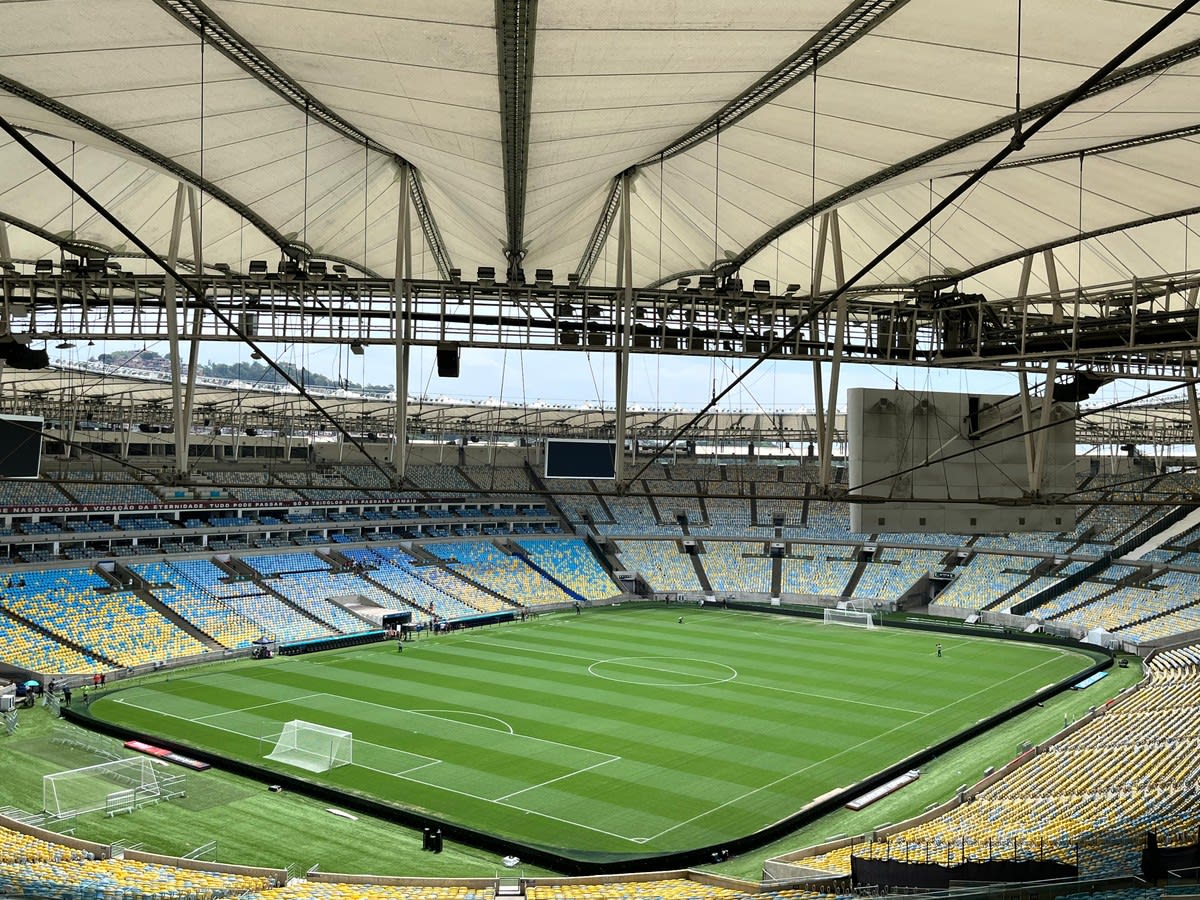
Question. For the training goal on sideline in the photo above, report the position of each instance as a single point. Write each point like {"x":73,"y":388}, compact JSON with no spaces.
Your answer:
{"x":121,"y":785}
{"x":314,"y":748}
{"x":847,"y":614}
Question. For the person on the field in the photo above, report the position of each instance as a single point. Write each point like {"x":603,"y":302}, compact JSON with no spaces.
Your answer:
{"x":939,"y":650}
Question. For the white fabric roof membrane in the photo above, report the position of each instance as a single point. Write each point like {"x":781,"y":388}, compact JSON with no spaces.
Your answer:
{"x":883,"y":131}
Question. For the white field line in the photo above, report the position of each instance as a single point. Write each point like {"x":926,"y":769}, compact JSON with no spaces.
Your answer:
{"x":832,"y":699}
{"x":404,"y":777}
{"x":846,"y":750}
{"x":739,"y":679}
{"x":534,"y":787}
{"x":609,"y":756}
{"x":230,"y":712}
{"x":429,"y":759}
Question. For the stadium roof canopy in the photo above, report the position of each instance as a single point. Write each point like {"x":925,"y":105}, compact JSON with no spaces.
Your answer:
{"x":743,"y":121}
{"x":61,"y":394}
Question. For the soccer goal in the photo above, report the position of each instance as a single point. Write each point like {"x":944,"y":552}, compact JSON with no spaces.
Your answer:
{"x":89,"y":789}
{"x":847,"y":615}
{"x":314,"y":748}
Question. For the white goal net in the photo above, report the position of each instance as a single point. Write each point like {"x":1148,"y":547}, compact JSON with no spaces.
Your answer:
{"x":90,"y":789}
{"x":314,"y":748}
{"x":858,"y":618}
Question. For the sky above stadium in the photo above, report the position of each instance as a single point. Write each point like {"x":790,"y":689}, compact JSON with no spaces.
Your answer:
{"x":578,"y":378}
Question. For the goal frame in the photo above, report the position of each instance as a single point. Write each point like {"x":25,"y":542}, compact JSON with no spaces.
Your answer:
{"x":850,"y":617}
{"x":136,"y":774}
{"x":331,"y":748}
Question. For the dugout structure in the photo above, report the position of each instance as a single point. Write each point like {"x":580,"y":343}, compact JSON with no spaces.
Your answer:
{"x":312,"y":747}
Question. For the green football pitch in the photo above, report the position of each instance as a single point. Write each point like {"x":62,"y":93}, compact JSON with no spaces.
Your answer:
{"x":619,"y":732}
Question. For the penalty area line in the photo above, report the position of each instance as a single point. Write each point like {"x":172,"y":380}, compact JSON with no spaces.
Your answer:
{"x":534,"y":787}
{"x":404,"y":777}
{"x":233,"y":712}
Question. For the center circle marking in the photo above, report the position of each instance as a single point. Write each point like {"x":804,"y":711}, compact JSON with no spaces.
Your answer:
{"x":721,"y":672}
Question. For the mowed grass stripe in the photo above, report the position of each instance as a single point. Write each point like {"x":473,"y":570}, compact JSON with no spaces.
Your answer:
{"x":582,"y":719}
{"x":664,"y":722}
{"x":812,"y":707}
{"x":763,"y":659}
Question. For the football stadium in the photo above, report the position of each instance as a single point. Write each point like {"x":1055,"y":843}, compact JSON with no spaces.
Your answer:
{"x":599,"y":451}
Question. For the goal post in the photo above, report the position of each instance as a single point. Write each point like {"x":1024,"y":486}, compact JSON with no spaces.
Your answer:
{"x":87,"y":789}
{"x":847,"y":615}
{"x":312,"y":747}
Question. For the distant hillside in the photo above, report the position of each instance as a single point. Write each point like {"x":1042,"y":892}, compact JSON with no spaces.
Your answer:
{"x":252,"y":372}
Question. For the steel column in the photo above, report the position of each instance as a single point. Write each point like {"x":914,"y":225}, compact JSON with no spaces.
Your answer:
{"x":402,"y":325}
{"x":1193,"y":413}
{"x":623,"y":325}
{"x":839,"y":340}
{"x":1052,"y":284}
{"x":1027,"y":427}
{"x":172,"y":308}
{"x":1043,"y":436}
{"x":189,"y":394}
{"x":818,"y":274}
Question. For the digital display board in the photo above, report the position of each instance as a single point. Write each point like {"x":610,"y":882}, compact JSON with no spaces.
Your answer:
{"x":580,"y":459}
{"x":20,"y":446}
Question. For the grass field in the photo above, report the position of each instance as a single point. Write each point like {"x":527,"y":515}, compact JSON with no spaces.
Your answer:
{"x":619,"y":731}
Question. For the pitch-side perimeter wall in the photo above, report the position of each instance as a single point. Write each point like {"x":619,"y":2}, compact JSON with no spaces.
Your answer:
{"x":610,"y":863}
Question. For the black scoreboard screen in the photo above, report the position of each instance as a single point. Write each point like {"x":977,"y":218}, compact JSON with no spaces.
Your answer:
{"x":580,"y":459}
{"x":20,"y":446}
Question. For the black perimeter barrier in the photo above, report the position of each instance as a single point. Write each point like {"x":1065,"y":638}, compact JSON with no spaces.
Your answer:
{"x":930,"y":876}
{"x":569,"y":861}
{"x":333,"y":643}
{"x":1158,"y":862}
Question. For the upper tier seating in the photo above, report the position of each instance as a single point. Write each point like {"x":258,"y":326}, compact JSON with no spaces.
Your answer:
{"x":505,"y":478}
{"x":98,"y":494}
{"x":441,"y":480}
{"x":633,"y":515}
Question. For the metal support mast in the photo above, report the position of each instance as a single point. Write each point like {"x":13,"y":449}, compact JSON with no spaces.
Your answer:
{"x":402,"y":324}
{"x":169,"y":300}
{"x":189,"y":394}
{"x":839,"y":340}
{"x":624,"y":324}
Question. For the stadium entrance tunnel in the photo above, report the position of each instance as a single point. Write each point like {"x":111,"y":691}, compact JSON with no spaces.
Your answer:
{"x":582,"y":861}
